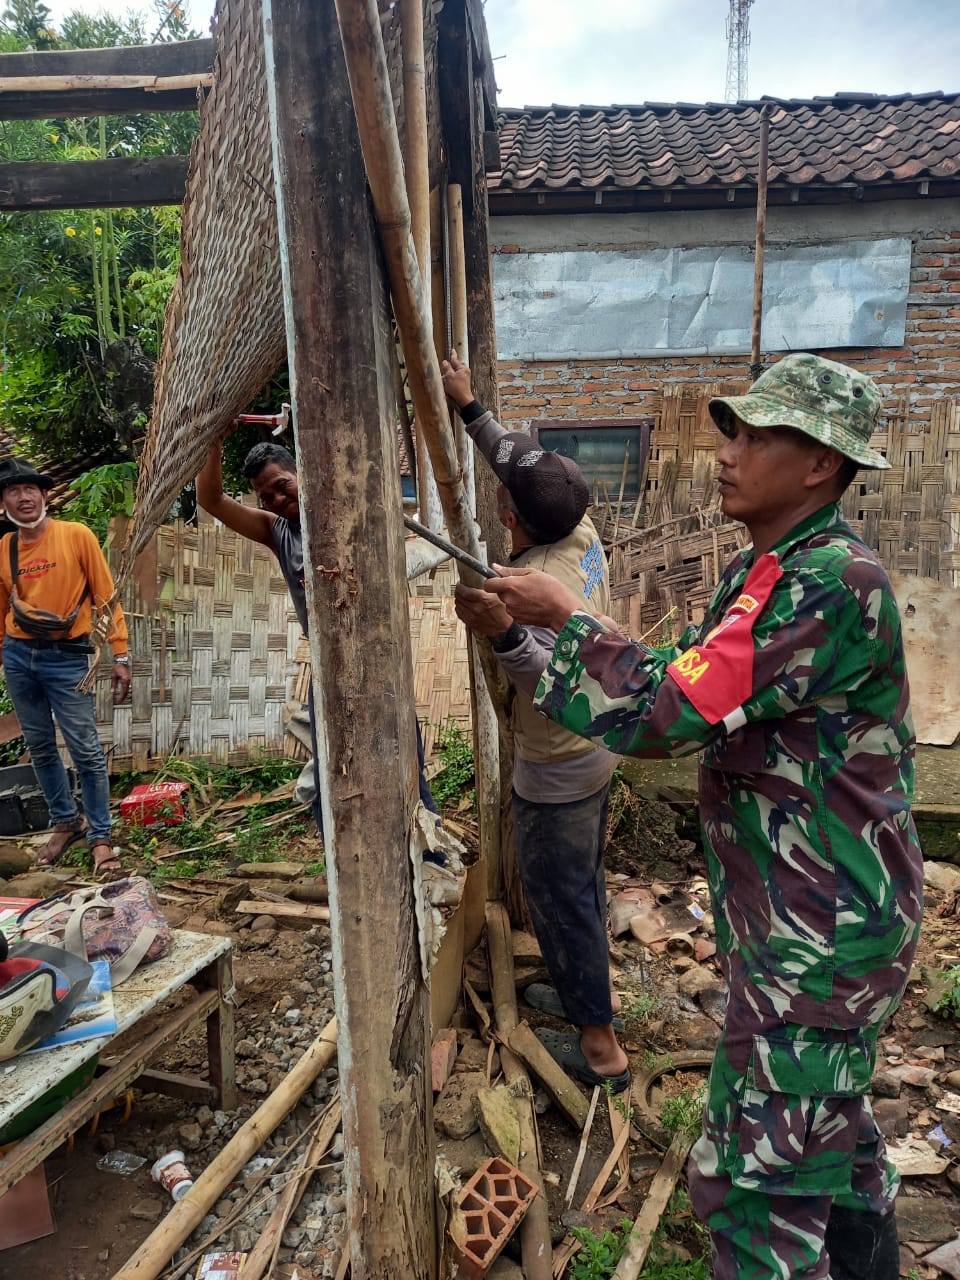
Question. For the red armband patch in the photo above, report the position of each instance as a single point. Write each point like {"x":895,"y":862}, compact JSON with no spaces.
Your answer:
{"x":717,"y":676}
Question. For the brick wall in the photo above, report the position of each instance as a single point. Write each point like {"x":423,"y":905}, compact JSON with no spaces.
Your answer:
{"x":925,"y":368}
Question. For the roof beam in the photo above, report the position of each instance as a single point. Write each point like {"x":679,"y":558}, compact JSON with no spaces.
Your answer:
{"x":121,"y":182}
{"x":61,"y":84}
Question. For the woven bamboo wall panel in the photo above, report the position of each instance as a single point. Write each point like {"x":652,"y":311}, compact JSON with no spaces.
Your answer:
{"x":441,"y":680}
{"x":212,"y":662}
{"x":909,"y":514}
{"x":224,"y":330}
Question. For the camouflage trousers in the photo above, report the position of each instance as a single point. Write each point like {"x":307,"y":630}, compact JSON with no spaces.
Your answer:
{"x":787,"y":1134}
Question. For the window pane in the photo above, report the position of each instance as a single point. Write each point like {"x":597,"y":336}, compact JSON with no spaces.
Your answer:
{"x":599,"y":453}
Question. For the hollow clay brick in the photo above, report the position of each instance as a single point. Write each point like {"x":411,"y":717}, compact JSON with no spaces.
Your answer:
{"x":493,"y":1203}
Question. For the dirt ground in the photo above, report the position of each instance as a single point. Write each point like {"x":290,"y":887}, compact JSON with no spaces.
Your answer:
{"x":668,"y":1010}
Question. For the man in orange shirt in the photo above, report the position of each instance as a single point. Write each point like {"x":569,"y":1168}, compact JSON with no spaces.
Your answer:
{"x":53,"y":576}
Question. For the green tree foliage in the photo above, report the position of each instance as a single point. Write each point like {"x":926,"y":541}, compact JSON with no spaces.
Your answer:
{"x":83,"y":293}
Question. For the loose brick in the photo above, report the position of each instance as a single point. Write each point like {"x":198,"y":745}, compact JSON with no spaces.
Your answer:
{"x":492,"y":1205}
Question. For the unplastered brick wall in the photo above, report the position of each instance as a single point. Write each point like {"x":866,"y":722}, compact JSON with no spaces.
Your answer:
{"x":924,"y":369}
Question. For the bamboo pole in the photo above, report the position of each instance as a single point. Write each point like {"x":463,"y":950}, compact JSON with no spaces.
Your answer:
{"x":403,"y":413}
{"x":457,"y":302}
{"x":416,"y":162}
{"x":431,"y":512}
{"x":761,"y":236}
{"x":535,"y":1228}
{"x":185,"y":1216}
{"x":373,"y":104}
{"x":56,"y":84}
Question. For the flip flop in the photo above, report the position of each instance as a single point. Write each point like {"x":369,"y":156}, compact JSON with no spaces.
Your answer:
{"x":566,"y":1052}
{"x":545,"y":998}
{"x":49,"y":857}
{"x":107,"y":867}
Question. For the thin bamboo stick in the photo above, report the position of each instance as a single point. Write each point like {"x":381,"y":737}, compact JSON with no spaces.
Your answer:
{"x":761,"y":236}
{"x":457,"y":302}
{"x":185,"y":1216}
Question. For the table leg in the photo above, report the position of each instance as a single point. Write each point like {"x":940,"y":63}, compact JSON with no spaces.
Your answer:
{"x":221,"y":1031}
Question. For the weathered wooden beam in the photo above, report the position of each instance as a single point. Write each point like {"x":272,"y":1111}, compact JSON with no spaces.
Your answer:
{"x":338,"y":339}
{"x":167,"y":78}
{"x":120,"y":182}
{"x":457,"y":91}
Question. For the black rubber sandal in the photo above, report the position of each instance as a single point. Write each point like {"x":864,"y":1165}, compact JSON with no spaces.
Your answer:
{"x":545,"y":998}
{"x":565,"y":1050}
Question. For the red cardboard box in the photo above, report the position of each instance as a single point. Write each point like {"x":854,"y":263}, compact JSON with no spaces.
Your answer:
{"x":156,"y":802}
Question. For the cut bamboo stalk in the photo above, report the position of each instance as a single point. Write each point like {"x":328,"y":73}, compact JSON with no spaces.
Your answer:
{"x":554,"y":1079}
{"x":623,"y":485}
{"x":416,"y":161}
{"x":56,"y":84}
{"x":373,"y":104}
{"x":535,"y":1228}
{"x":584,"y":1139}
{"x":263,"y":1256}
{"x":185,"y":1216}
{"x":457,"y":302}
{"x":658,"y":1197}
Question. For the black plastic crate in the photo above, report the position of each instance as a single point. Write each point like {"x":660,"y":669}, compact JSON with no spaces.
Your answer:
{"x":35,"y":812}
{"x":13,"y":820}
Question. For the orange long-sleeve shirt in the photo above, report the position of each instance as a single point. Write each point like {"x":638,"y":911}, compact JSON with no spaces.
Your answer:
{"x":53,"y":574}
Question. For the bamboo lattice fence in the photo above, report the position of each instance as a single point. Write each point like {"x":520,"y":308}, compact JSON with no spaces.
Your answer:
{"x":664,"y":572}
{"x":220,"y":653}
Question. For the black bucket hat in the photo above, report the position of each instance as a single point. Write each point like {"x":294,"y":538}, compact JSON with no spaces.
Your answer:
{"x":16,"y":471}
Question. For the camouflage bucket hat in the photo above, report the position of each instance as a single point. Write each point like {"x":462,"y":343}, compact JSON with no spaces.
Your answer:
{"x":830,"y":402}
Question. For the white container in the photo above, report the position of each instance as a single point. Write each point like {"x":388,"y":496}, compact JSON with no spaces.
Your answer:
{"x":172,"y":1174}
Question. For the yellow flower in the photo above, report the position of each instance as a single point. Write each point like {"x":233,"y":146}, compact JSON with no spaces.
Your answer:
{"x":54,"y":137}
{"x":69,"y":231}
{"x":98,"y":231}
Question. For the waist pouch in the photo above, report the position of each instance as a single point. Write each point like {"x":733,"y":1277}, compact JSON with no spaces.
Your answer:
{"x":38,"y":622}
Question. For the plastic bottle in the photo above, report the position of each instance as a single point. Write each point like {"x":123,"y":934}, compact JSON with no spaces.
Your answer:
{"x":172,"y":1174}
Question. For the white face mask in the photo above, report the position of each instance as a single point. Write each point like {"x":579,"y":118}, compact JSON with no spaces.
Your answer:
{"x":29,"y":524}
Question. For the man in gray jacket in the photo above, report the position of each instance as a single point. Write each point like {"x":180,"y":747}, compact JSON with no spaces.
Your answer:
{"x":561,"y":783}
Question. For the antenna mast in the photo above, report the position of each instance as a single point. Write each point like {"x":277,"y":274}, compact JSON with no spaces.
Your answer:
{"x":738,"y":45}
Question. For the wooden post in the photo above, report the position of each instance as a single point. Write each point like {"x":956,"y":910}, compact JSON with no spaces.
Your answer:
{"x":755,"y":366}
{"x":338,"y":337}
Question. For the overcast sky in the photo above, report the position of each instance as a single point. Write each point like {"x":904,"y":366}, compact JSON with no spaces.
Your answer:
{"x":630,"y":51}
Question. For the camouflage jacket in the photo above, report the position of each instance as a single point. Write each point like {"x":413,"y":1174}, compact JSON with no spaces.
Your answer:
{"x":795,"y":692}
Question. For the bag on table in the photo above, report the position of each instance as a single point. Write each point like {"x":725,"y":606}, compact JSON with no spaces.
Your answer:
{"x":120,"y":922}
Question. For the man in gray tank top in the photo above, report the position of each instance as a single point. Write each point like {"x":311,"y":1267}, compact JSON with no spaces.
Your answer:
{"x":272,"y":472}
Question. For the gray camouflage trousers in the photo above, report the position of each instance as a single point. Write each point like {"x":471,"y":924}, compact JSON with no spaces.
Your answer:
{"x":787,"y":1133}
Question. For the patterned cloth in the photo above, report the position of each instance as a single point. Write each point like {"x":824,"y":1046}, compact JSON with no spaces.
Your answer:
{"x":794,"y":690}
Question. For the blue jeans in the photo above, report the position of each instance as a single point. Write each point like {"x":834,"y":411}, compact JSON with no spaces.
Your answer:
{"x":42,"y":685}
{"x":560,"y":859}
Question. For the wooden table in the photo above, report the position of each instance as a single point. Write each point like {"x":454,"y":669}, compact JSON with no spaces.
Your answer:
{"x":196,"y":957}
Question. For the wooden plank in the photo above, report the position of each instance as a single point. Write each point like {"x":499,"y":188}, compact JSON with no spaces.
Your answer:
{"x":258,"y":907}
{"x":176,"y":1085}
{"x":658,"y":1197}
{"x":357,"y":609}
{"x":173,"y":58}
{"x":119,"y":182}
{"x":554,"y":1079}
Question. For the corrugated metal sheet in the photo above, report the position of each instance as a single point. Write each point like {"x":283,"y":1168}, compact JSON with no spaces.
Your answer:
{"x":698,"y":301}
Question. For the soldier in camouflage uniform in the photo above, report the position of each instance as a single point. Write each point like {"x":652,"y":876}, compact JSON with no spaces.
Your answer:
{"x":794,"y":691}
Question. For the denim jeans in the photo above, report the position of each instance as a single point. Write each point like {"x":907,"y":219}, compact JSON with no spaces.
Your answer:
{"x":560,"y":859}
{"x":42,"y":685}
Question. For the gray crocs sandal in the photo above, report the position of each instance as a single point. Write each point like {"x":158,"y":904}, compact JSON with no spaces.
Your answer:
{"x":545,"y":998}
{"x":566,"y":1052}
